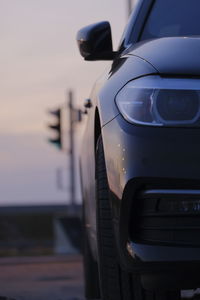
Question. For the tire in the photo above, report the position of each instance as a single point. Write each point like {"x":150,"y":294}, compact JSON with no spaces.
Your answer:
{"x":115,"y":284}
{"x":91,"y":277}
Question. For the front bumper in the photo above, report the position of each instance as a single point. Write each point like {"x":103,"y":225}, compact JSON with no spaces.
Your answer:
{"x":148,"y":161}
{"x":165,"y":217}
{"x":162,"y":241}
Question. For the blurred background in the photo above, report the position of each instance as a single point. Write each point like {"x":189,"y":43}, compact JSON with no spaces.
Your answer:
{"x":41,"y":70}
{"x":39,"y":62}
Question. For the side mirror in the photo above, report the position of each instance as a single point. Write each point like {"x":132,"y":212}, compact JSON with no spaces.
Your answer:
{"x":95,"y":42}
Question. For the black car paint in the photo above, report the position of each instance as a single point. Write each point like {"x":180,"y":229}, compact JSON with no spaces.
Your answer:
{"x":100,"y":39}
{"x":172,"y":56}
{"x":138,"y":156}
{"x":104,"y":89}
{"x":157,"y":156}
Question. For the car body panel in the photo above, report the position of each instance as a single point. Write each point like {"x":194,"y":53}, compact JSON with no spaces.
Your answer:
{"x":151,"y":146}
{"x":138,"y":156}
{"x":102,"y":99}
{"x":172,"y":55}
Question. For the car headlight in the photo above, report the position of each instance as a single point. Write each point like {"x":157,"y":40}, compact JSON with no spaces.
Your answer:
{"x":157,"y":101}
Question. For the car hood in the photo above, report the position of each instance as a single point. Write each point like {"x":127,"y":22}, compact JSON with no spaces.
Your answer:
{"x":171,"y":56}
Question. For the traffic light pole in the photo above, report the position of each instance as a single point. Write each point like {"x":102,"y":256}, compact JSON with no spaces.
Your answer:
{"x":56,"y":127}
{"x":129,"y":6}
{"x":71,"y":150}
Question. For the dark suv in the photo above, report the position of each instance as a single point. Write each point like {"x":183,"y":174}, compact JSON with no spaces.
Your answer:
{"x":140,"y":162}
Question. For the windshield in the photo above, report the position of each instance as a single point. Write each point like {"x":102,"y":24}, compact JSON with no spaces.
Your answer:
{"x":170,"y":18}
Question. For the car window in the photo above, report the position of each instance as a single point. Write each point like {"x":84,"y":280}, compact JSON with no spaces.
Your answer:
{"x":172,"y":18}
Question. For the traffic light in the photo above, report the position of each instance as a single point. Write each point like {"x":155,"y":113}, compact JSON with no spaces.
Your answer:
{"x":56,"y":126}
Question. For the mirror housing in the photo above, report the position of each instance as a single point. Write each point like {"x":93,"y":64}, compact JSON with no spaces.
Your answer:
{"x":95,"y":42}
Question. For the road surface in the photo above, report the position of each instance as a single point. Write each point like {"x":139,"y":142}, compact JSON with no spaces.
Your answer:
{"x":41,"y":278}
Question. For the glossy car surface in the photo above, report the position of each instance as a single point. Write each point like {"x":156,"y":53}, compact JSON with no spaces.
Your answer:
{"x":146,"y":113}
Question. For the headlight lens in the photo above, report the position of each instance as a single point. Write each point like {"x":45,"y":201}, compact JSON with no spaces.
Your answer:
{"x":157,"y":101}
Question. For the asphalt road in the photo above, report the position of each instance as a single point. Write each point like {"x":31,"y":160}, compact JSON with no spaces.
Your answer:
{"x":39,"y":278}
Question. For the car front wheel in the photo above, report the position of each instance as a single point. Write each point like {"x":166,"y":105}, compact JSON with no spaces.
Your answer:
{"x":115,"y":284}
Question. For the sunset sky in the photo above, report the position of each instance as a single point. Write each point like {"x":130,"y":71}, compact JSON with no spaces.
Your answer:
{"x":39,"y":61}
